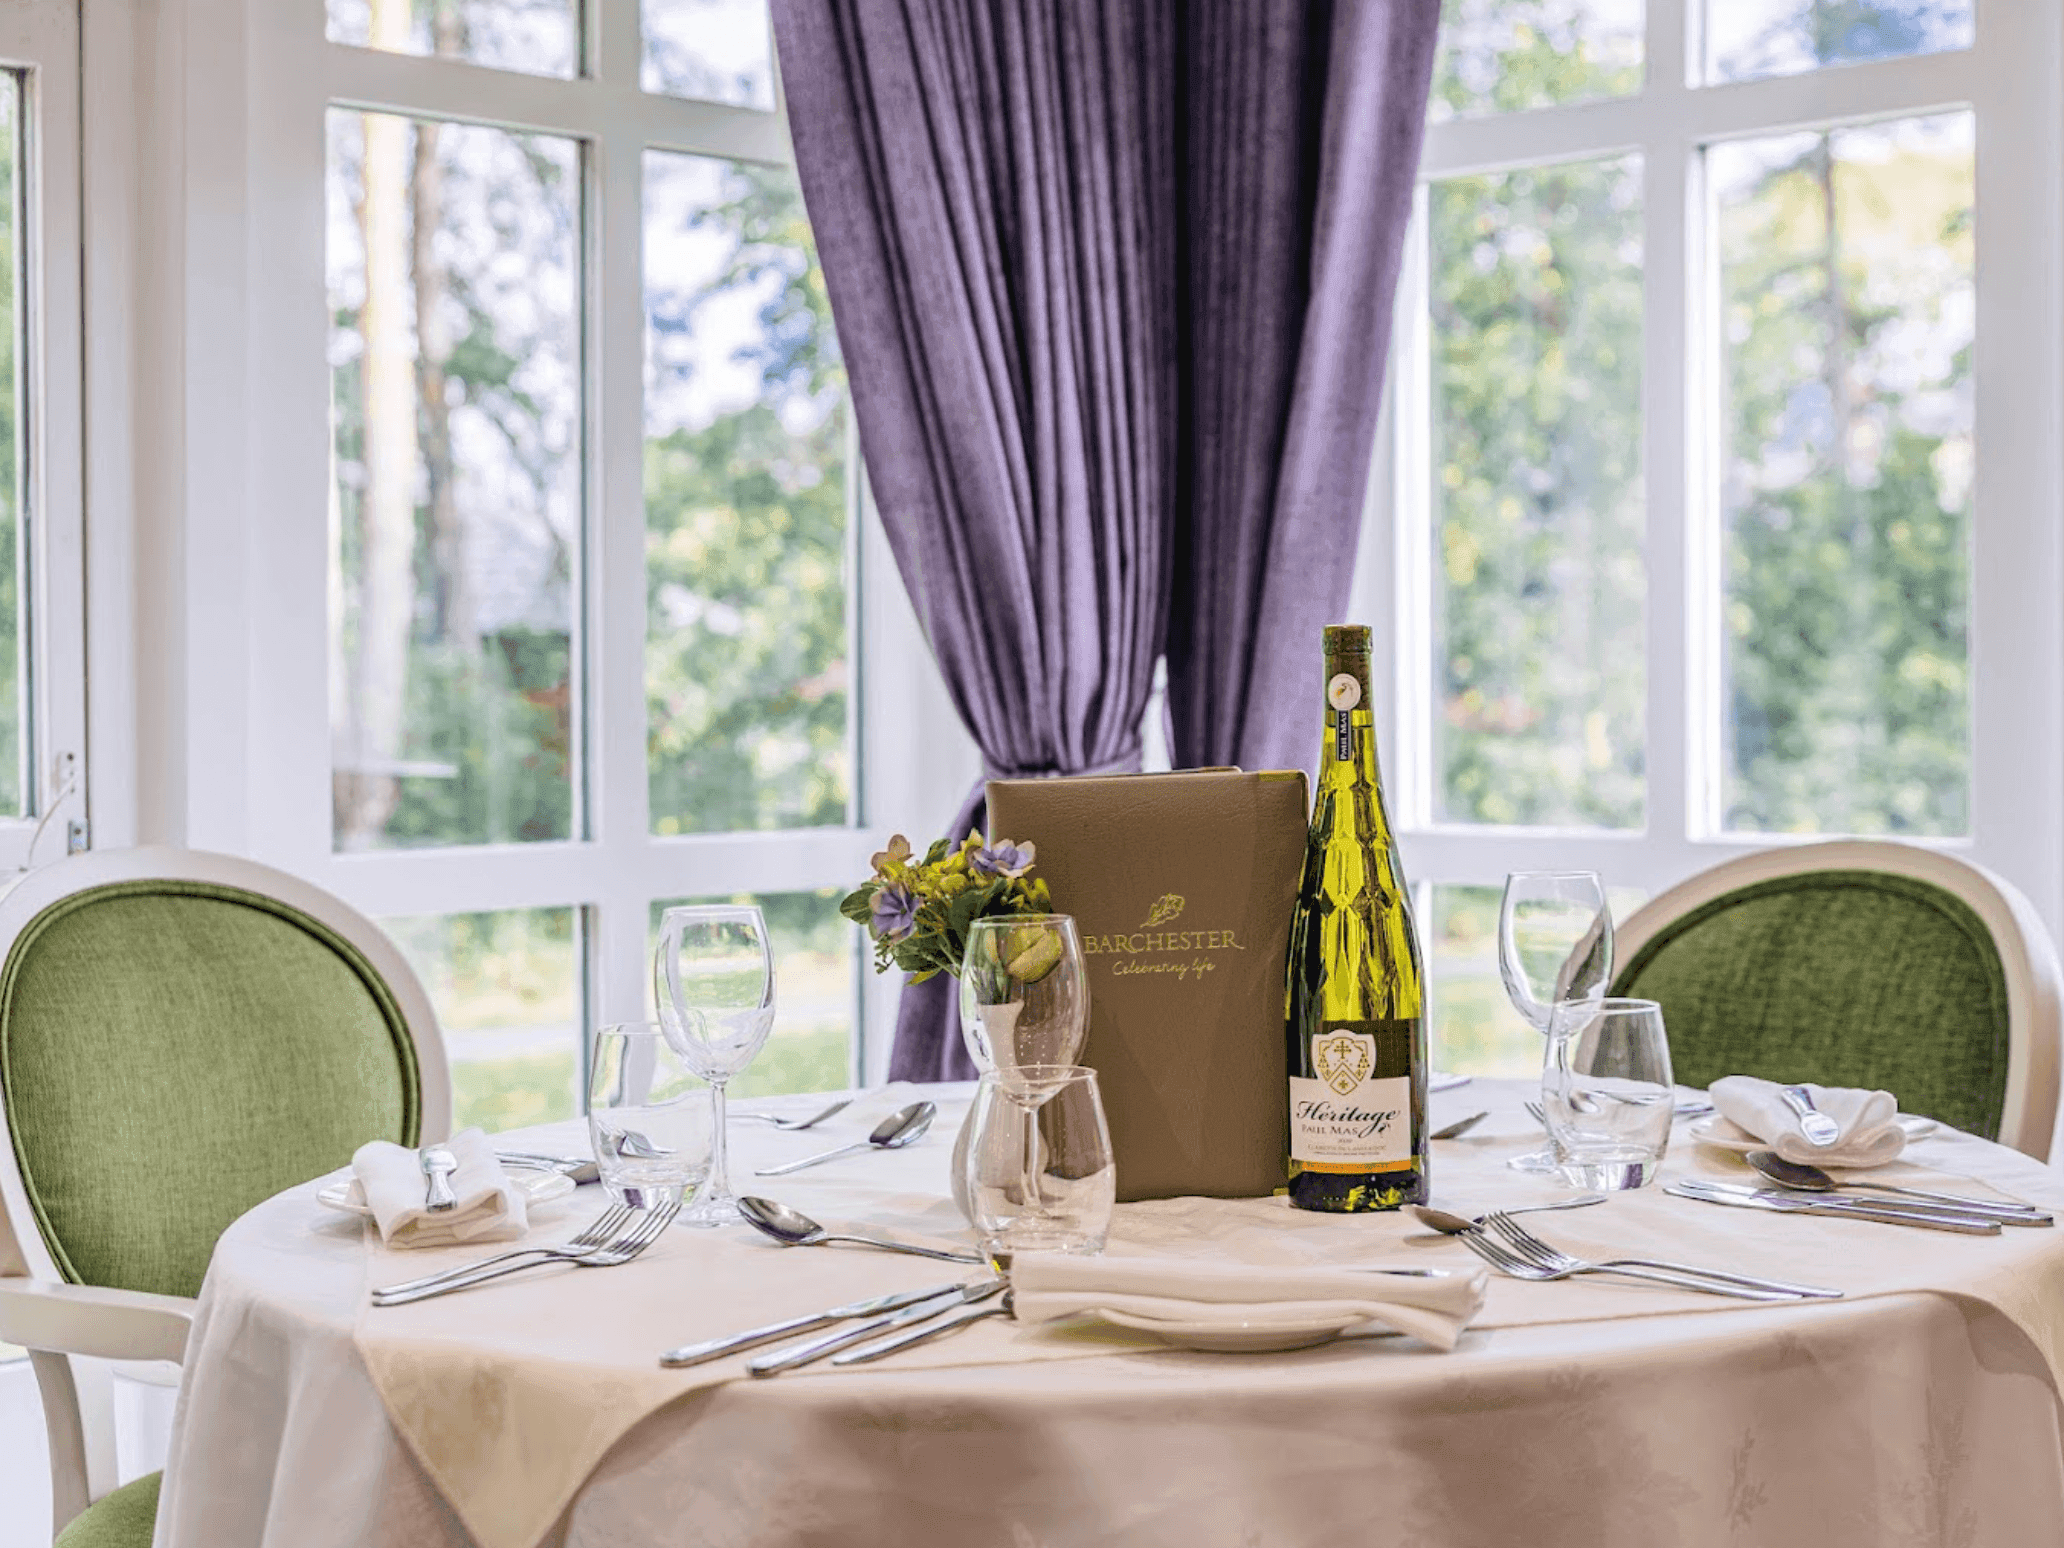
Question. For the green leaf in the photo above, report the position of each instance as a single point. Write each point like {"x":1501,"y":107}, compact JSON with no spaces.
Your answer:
{"x":859,"y":906}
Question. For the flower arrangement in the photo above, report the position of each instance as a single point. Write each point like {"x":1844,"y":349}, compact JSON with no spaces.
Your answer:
{"x":919,"y":911}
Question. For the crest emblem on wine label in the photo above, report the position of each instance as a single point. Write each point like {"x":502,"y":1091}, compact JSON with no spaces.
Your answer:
{"x":1343,"y":1060}
{"x":1343,"y":692}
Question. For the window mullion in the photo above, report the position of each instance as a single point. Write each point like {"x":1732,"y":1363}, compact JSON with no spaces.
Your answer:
{"x":613,"y":41}
{"x":1673,"y":769}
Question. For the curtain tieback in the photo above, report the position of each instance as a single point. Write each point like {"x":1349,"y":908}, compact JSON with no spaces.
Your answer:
{"x":1124,"y":763}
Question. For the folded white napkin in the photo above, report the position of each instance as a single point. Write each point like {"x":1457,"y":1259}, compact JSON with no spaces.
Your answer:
{"x":1870,"y":1135}
{"x":389,"y":1180}
{"x":1045,"y":1286}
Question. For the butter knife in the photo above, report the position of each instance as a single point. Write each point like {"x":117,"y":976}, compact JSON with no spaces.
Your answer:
{"x":817,"y":1348}
{"x":438,"y":1164}
{"x":1792,"y":1204}
{"x":710,"y":1349}
{"x":1816,"y":1125}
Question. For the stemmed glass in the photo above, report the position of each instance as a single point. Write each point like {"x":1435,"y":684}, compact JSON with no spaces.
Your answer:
{"x":714,"y":977}
{"x":1555,"y":953}
{"x":1024,"y":1014}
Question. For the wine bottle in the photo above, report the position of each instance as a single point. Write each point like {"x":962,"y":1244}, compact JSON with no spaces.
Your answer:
{"x":1356,"y":1001}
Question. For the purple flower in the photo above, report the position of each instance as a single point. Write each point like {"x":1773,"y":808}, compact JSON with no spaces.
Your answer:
{"x":1002,"y":859}
{"x":895,"y":912}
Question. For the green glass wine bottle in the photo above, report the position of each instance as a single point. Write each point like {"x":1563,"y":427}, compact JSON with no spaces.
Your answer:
{"x":1356,"y":1000}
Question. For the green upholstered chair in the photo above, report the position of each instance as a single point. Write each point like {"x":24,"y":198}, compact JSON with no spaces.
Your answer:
{"x":182,"y":1035}
{"x":1859,"y":964}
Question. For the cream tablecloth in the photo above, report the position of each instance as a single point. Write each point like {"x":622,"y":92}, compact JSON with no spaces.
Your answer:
{"x":1924,"y":1410}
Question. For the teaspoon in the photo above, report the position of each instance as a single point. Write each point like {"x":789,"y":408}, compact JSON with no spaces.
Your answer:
{"x":892,"y":1133}
{"x":793,"y":1228}
{"x":1811,"y":1179}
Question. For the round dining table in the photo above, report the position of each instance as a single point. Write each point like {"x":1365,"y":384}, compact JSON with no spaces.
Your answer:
{"x":1922,"y":1408}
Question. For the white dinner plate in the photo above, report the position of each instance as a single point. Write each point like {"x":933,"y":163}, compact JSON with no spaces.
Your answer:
{"x":539,"y":1187}
{"x":1247,"y":1329}
{"x":1722,"y":1134}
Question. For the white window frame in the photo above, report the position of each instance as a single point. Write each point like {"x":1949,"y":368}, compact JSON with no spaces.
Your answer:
{"x":41,"y":39}
{"x":2013,"y":77}
{"x":210,"y":158}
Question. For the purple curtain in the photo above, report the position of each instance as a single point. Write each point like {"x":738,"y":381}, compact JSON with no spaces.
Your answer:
{"x":1094,"y":266}
{"x":1305,"y":124}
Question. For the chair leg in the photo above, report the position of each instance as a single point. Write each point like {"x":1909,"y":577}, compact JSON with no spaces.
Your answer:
{"x":79,"y":1416}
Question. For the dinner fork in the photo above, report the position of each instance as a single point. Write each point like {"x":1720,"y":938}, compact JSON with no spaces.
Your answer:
{"x":622,"y":1247}
{"x":1539,"y":1252}
{"x":1508,"y":1261}
{"x":606,"y":1225}
{"x":810,"y":1122}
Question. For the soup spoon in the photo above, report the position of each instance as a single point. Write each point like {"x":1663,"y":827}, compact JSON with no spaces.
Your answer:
{"x":793,"y":1228}
{"x":900,"y":1128}
{"x":1811,"y":1179}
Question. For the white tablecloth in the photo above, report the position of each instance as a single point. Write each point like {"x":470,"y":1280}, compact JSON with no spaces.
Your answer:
{"x":1907,"y":1417}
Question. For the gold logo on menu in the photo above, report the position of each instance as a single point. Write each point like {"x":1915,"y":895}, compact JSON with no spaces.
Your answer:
{"x":1168,"y":908}
{"x":1344,"y":1059}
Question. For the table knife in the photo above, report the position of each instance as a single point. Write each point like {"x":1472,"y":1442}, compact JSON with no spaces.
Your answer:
{"x":817,"y":1348}
{"x":710,"y":1349}
{"x":438,"y":1164}
{"x":1793,"y":1204}
{"x":1882,"y":1206}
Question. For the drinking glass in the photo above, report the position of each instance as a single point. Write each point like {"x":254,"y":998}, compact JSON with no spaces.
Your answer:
{"x":1024,"y":994}
{"x":714,"y":973}
{"x":1555,"y":951}
{"x":1607,"y":1093}
{"x":1040,"y":1177}
{"x":649,"y":1115}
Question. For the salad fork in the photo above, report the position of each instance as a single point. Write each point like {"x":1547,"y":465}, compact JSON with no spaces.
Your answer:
{"x":642,"y":1233}
{"x":1719,"y":1281}
{"x":1508,"y":1261}
{"x":606,"y":1225}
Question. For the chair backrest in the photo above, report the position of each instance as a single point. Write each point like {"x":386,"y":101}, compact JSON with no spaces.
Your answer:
{"x":1859,"y":963}
{"x":183,"y":1035}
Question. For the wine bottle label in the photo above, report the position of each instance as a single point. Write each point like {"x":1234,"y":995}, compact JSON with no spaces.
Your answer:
{"x":1345,"y":1116}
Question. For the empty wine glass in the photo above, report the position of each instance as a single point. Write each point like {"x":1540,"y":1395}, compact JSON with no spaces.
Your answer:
{"x":714,"y":976}
{"x":1555,"y":951}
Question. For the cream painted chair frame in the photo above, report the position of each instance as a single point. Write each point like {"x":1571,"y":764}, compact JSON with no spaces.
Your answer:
{"x":73,"y":1331}
{"x":2028,"y":957}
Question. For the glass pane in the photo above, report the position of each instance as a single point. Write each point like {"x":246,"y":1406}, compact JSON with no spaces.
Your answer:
{"x":1504,"y":56}
{"x":745,"y":505}
{"x":538,"y":37}
{"x":1475,"y":1029}
{"x":455,"y":355}
{"x":710,"y":50}
{"x":1747,"y":40}
{"x":1537,"y":496}
{"x":507,"y":990}
{"x":1847,"y":297}
{"x":816,"y":968}
{"x":14,"y":647}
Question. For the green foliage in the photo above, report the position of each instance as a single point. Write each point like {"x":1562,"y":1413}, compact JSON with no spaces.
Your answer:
{"x":745,"y":556}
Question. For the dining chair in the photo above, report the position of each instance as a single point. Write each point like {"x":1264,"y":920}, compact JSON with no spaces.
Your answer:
{"x":1859,"y":963}
{"x":182,"y":1035}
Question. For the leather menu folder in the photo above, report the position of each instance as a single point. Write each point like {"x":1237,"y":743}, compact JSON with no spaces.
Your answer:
{"x":1181,"y":886}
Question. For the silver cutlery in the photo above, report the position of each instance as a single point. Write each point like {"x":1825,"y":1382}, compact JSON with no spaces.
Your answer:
{"x":645,"y":1228}
{"x":1533,"y":1247}
{"x":904,"y":1127}
{"x":1811,"y":1179}
{"x":605,"y":1226}
{"x":438,"y":1164}
{"x":1459,"y":1127}
{"x":1816,"y":1125}
{"x":1508,"y":1261}
{"x":793,"y":1228}
{"x":711,"y":1349}
{"x":796,"y":1125}
{"x":1885,"y":1212}
{"x":1691,"y":1108}
{"x":581,"y":1171}
{"x":946,"y":1324}
{"x":818,"y":1348}
{"x":1450,"y":1224}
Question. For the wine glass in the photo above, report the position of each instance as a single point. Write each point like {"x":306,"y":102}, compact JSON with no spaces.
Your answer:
{"x":1555,"y":950}
{"x":714,"y":976}
{"x":1024,"y":1014}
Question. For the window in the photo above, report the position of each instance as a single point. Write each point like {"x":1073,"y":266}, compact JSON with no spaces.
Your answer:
{"x":591,"y":546}
{"x":1708,"y":509}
